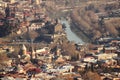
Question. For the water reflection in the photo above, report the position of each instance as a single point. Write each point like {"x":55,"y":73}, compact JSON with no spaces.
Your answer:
{"x":71,"y":35}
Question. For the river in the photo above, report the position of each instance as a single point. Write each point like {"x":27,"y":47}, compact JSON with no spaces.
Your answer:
{"x":71,"y":35}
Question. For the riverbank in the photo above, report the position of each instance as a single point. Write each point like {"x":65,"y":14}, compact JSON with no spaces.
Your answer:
{"x":79,"y":32}
{"x":71,"y":36}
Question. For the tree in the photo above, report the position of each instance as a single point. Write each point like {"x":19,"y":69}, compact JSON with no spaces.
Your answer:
{"x":3,"y":59}
{"x":111,"y":28}
{"x":33,"y":35}
{"x":69,"y":48}
{"x":8,"y":28}
{"x":91,"y":76}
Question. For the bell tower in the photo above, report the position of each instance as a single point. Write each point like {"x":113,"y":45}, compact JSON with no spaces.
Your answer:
{"x":7,"y":11}
{"x":23,"y":50}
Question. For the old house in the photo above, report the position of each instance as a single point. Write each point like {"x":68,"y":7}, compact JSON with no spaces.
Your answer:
{"x":109,"y":49}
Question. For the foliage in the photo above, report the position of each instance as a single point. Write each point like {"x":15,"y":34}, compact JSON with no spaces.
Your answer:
{"x":91,"y":76}
{"x":7,"y":28}
{"x":3,"y":57}
{"x":88,"y":20}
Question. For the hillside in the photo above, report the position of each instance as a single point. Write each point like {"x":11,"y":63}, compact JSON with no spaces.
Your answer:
{"x":101,"y":20}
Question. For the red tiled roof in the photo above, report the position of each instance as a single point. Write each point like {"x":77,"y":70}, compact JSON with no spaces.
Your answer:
{"x":28,"y":66}
{"x":37,"y":70}
{"x":1,"y":23}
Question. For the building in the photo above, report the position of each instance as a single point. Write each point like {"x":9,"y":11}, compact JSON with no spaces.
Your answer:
{"x":89,"y":59}
{"x":23,"y":49}
{"x":33,"y":54}
{"x":37,"y":2}
{"x":109,"y":49}
{"x":3,"y":4}
{"x":24,"y":55}
{"x":30,"y":1}
{"x":44,"y":50}
{"x":12,"y":1}
{"x":106,"y":56}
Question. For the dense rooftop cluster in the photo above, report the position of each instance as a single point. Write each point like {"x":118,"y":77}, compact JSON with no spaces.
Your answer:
{"x":34,"y":46}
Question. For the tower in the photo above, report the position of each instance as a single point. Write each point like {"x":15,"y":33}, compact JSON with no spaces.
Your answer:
{"x":33,"y":56}
{"x":23,"y":50}
{"x":24,"y":16}
{"x":58,"y":50}
{"x":7,"y":11}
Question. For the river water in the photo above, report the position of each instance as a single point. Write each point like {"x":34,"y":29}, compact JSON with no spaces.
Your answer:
{"x":71,"y":35}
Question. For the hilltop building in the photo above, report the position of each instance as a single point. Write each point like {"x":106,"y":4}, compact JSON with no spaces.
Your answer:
{"x":23,"y":53}
{"x":33,"y":54}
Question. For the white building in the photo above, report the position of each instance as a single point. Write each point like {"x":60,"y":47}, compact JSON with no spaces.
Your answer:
{"x":12,"y":1}
{"x":3,"y":4}
{"x":38,"y":2}
{"x":65,"y":68}
{"x":89,"y":59}
{"x":24,"y":49}
{"x":106,"y":56}
{"x":43,"y":50}
{"x":36,"y":26}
